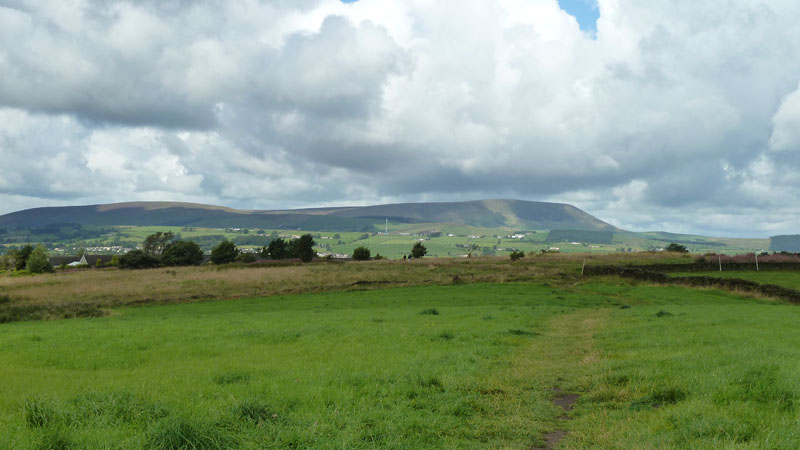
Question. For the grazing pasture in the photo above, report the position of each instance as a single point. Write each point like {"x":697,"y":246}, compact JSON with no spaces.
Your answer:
{"x":484,"y":353}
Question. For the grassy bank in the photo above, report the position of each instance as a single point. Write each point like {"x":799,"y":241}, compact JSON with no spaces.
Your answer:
{"x":91,"y":292}
{"x":427,"y":367}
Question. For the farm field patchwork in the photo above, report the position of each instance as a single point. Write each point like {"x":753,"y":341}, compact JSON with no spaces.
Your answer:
{"x":459,"y":366}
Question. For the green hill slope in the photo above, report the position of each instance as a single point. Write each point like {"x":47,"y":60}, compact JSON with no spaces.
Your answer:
{"x":516,"y":214}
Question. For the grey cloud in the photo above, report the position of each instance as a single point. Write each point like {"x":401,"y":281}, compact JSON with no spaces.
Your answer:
{"x":677,"y":106}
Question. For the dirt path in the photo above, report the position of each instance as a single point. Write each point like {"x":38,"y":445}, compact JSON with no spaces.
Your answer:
{"x":570,"y":342}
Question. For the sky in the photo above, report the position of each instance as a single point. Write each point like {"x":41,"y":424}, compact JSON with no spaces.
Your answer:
{"x":677,"y":115}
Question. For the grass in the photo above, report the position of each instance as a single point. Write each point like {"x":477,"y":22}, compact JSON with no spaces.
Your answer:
{"x":717,"y":372}
{"x":435,"y":363}
{"x":91,"y":293}
{"x":307,"y":371}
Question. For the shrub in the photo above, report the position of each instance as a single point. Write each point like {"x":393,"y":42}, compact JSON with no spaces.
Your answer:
{"x":418,"y":250}
{"x":361,"y":254}
{"x":38,"y":262}
{"x":516,"y":254}
{"x":678,"y":248}
{"x":246,"y":257}
{"x":182,"y":253}
{"x":138,"y":259}
{"x":224,"y":253}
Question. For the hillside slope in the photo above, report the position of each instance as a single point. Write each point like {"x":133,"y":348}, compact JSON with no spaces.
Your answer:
{"x":516,"y":214}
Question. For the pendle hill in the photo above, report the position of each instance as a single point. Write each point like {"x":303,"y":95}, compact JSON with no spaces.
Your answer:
{"x":515,"y":214}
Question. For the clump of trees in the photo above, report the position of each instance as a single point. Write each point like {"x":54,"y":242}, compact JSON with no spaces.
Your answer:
{"x":279,"y":248}
{"x":361,"y":254}
{"x":677,"y":248}
{"x":516,"y":254}
{"x":138,"y":259}
{"x":161,"y":249}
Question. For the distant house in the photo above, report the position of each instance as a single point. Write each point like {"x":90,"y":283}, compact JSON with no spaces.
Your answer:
{"x":74,"y":261}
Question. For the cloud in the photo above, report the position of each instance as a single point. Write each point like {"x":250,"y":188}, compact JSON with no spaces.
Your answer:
{"x":691,"y":108}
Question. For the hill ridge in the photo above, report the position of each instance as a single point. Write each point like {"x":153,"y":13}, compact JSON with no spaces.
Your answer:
{"x":489,"y":213}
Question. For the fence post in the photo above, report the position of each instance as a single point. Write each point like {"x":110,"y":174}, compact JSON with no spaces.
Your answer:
{"x":719,"y":258}
{"x":756,"y":262}
{"x":583,"y":266}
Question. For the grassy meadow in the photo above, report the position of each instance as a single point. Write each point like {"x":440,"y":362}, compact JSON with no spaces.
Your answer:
{"x":449,"y":353}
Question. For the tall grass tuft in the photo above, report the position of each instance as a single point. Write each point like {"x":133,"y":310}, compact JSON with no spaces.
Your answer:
{"x":255,"y":411}
{"x":178,"y":433}
{"x":231,"y":378}
{"x":55,"y":439}
{"x":39,"y":412}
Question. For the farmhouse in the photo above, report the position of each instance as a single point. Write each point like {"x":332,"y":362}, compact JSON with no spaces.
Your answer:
{"x":75,"y":261}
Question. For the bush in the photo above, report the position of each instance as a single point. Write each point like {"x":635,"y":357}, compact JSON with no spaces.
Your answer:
{"x":38,"y":262}
{"x":516,"y":254}
{"x":246,"y":257}
{"x":138,"y":259}
{"x":224,"y":253}
{"x":418,"y":250}
{"x":182,"y":253}
{"x":361,"y":254}
{"x":678,"y":248}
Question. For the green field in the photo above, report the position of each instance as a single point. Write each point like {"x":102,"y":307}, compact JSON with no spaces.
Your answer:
{"x":441,"y":239}
{"x":458,"y":366}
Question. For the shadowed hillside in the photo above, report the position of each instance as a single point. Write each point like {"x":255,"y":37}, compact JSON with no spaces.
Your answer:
{"x":516,"y":214}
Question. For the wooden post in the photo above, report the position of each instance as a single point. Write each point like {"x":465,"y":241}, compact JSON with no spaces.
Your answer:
{"x":583,"y":266}
{"x":756,"y":262}
{"x":719,"y":258}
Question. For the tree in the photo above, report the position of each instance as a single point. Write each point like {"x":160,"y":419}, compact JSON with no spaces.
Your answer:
{"x":418,"y":250}
{"x":38,"y":262}
{"x":138,"y":259}
{"x":361,"y":254}
{"x":182,"y":253}
{"x":678,"y":248}
{"x":277,"y":249}
{"x":225,"y":252}
{"x":155,"y":244}
{"x":21,"y":256}
{"x":305,"y":248}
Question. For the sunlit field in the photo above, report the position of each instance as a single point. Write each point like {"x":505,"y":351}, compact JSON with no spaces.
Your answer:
{"x":481,"y":353}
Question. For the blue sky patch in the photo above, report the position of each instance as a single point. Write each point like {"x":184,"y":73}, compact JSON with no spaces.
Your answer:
{"x":584,"y":10}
